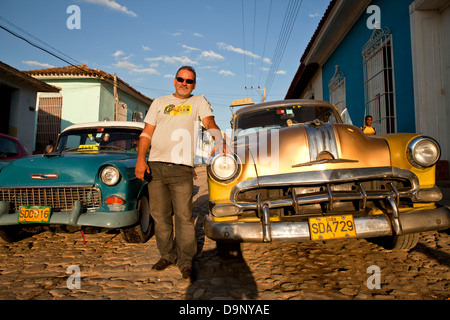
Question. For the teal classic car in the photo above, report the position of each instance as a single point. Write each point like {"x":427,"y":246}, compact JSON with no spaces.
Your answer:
{"x":86,"y":180}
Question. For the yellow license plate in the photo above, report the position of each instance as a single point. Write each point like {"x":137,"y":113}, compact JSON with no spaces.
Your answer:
{"x":332,"y":227}
{"x":34,"y":214}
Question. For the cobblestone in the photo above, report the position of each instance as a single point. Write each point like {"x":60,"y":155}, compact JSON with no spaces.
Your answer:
{"x":36,"y":268}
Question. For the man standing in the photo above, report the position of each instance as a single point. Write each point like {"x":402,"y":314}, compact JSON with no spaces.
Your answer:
{"x":169,"y":131}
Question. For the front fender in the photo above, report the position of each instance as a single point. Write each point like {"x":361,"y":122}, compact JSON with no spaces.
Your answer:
{"x":129,"y":187}
{"x":398,"y":144}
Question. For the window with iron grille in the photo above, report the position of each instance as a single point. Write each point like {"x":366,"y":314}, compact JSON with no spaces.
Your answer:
{"x":123,"y":108}
{"x":379,"y":91}
{"x":49,"y":120}
{"x":336,"y":87}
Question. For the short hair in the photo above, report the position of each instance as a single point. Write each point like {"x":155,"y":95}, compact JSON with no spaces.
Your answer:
{"x":189,"y":68}
{"x":368,"y":116}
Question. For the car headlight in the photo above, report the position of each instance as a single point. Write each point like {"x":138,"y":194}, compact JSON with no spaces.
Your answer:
{"x":223,"y":168}
{"x":423,"y":152}
{"x":110,"y":175}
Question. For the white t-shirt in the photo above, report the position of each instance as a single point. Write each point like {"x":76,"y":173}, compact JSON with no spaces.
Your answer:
{"x":176,"y":123}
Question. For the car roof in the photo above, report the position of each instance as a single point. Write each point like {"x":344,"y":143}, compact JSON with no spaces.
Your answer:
{"x":107,"y":124}
{"x":281,"y":103}
{"x":8,"y":137}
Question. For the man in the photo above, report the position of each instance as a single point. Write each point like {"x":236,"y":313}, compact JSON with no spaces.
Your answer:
{"x":169,"y":131}
{"x":367,"y":128}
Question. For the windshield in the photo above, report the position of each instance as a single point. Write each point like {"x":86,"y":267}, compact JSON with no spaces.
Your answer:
{"x":284,"y":116}
{"x":8,"y":148}
{"x":99,"y":139}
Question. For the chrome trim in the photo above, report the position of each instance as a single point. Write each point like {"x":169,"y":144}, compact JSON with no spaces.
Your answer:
{"x":324,"y":178}
{"x":57,"y":197}
{"x":325,"y":161}
{"x":412,"y":145}
{"x":321,"y":138}
{"x":212,"y":174}
{"x":366,"y":227}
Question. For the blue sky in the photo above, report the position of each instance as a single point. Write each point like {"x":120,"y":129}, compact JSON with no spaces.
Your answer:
{"x":231,"y":43}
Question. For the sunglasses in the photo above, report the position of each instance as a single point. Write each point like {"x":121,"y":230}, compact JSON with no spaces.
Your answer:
{"x":188,"y":81}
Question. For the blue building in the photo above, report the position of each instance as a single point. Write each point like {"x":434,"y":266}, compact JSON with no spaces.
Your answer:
{"x":389,"y":59}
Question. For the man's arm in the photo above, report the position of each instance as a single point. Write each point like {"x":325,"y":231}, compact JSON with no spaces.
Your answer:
{"x":214,"y":130}
{"x":145,"y":142}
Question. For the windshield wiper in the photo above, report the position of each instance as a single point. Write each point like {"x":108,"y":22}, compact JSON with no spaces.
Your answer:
{"x":111,"y":147}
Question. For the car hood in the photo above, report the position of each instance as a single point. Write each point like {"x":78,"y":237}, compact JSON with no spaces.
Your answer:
{"x":66,"y":169}
{"x":316,"y":146}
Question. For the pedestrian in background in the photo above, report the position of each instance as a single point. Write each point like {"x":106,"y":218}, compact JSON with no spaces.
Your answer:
{"x":172,"y":119}
{"x":367,"y":128}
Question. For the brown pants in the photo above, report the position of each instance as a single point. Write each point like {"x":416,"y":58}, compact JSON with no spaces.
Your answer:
{"x":170,"y":190}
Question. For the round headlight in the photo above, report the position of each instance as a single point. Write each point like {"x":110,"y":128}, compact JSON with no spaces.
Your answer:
{"x":423,"y":152}
{"x":223,"y":167}
{"x":110,"y":175}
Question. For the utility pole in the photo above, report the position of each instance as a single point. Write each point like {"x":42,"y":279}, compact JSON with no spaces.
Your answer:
{"x":116,"y":99}
{"x":263,"y":95}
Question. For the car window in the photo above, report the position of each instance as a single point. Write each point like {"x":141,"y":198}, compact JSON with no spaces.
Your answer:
{"x":285,"y":116}
{"x":99,"y":139}
{"x":8,"y":148}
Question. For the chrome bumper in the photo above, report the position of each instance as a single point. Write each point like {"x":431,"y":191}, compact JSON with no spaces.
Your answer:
{"x":76,"y":217}
{"x":366,"y":227}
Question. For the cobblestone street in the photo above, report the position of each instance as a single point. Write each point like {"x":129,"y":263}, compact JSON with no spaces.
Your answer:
{"x":37,"y":268}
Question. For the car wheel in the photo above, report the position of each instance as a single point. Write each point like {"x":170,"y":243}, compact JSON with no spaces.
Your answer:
{"x":229,"y":250}
{"x":11,"y":234}
{"x":143,"y":231}
{"x":403,"y":242}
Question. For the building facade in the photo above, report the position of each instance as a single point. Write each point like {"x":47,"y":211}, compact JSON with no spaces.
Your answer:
{"x":18,"y":96}
{"x":87,"y":95}
{"x":389,"y":59}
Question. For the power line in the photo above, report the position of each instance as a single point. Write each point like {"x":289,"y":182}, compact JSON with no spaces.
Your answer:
{"x":32,"y":36}
{"x":265,"y":43}
{"x":253,"y":47}
{"x":243,"y":39}
{"x":285,"y":33}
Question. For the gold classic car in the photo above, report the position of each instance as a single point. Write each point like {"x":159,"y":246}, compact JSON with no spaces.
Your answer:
{"x":299,"y":173}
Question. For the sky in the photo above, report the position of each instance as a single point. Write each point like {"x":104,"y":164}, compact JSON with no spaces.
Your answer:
{"x":234,"y":45}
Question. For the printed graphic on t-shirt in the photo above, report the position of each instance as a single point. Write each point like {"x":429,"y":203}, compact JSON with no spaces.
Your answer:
{"x":182,"y":109}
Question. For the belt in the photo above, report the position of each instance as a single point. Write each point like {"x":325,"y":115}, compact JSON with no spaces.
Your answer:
{"x":170,"y":164}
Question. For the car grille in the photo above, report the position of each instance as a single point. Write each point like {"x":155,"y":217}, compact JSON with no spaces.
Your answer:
{"x":327,"y":191}
{"x":58,"y":198}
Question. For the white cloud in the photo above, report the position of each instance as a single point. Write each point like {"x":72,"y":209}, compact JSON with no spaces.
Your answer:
{"x":226,"y":73}
{"x":281,"y":72}
{"x":132,"y":68}
{"x":189,"y":49}
{"x":198,"y":35}
{"x":183,"y":60}
{"x":313,"y":15}
{"x":113,"y":5}
{"x":146,"y":48}
{"x":176,"y":34}
{"x":118,"y":53}
{"x":265,"y":69}
{"x":147,"y":71}
{"x":37,"y":64}
{"x":267,"y":60}
{"x":211,"y":56}
{"x":229,"y":47}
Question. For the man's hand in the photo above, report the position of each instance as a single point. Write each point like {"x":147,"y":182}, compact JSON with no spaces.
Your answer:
{"x":141,"y":169}
{"x":144,"y":144}
{"x":222,"y":147}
